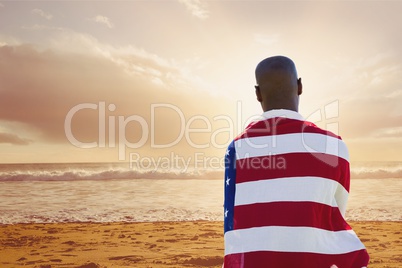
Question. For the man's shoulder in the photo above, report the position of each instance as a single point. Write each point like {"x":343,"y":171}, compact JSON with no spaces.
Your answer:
{"x":310,"y":127}
{"x":282,"y":126}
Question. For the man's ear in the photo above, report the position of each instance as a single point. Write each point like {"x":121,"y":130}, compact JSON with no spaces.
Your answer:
{"x":299,"y":87}
{"x":258,"y":93}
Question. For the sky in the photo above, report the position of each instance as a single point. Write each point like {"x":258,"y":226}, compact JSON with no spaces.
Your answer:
{"x":108,"y":81}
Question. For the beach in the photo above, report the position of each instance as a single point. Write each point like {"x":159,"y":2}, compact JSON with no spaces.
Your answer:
{"x":106,"y":215}
{"x":154,"y":244}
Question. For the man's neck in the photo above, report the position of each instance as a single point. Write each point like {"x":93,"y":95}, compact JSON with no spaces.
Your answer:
{"x":278,"y":107}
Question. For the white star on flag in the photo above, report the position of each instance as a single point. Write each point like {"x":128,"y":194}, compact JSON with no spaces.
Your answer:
{"x":227,"y":152}
{"x":227,"y":181}
{"x":226,"y":213}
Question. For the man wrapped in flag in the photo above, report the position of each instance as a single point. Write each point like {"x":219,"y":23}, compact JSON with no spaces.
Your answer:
{"x":286,"y":185}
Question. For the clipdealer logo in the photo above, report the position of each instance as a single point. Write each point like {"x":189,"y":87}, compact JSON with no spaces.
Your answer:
{"x":117,"y":124}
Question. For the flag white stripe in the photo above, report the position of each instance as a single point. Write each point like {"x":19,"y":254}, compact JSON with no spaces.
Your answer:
{"x":309,"y":189}
{"x":291,"y":239}
{"x":290,"y":143}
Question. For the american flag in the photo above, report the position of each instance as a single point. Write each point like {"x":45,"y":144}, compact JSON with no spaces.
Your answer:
{"x":286,"y":189}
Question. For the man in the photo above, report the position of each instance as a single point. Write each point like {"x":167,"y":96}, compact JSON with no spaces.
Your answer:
{"x":286,"y":185}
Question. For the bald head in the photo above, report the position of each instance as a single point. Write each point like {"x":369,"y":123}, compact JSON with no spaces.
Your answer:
{"x":277,"y":84}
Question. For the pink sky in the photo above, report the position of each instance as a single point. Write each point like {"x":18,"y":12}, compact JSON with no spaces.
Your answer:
{"x":182,"y":73}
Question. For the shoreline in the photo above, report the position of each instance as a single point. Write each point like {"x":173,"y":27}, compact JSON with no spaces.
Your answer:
{"x":154,"y":244}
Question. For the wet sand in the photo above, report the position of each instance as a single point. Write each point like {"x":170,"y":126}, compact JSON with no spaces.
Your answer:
{"x":153,"y":244}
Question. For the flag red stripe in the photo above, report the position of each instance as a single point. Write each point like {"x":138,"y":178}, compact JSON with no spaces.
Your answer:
{"x":308,"y":214}
{"x":281,"y":125}
{"x":355,"y":259}
{"x":293,"y":165}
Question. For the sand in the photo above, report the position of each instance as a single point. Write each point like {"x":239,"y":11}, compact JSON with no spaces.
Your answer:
{"x":154,"y":244}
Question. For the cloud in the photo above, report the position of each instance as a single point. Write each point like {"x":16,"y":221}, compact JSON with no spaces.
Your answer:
{"x":368,"y":89}
{"x":196,"y":8}
{"x":130,"y":59}
{"x":40,"y":27}
{"x":13,"y":139}
{"x":8,"y":40}
{"x":40,"y":87}
{"x":102,"y":20}
{"x":389,"y":132}
{"x":41,"y":13}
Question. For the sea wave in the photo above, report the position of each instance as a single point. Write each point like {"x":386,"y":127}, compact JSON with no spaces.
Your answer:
{"x":167,"y":214}
{"x":77,"y":175}
{"x":122,"y":171}
{"x":376,"y":170}
{"x":376,"y":174}
{"x":85,"y":215}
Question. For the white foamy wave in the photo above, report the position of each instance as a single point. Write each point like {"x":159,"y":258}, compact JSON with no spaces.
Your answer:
{"x":122,"y":171}
{"x":368,"y":214}
{"x":165,"y":214}
{"x":86,"y":215}
{"x":76,"y":172}
{"x":376,"y":170}
{"x":376,"y":174}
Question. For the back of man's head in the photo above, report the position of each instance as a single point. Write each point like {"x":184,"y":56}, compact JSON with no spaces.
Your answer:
{"x":277,"y":84}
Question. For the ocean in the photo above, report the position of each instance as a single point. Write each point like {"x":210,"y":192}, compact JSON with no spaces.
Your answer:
{"x":114,"y":192}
